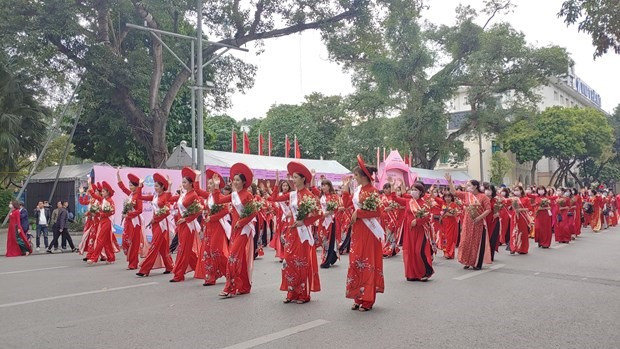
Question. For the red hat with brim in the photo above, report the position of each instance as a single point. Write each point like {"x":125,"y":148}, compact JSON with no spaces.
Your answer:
{"x":301,"y":169}
{"x":108,"y":187}
{"x":210,"y":173}
{"x":133,"y":178}
{"x":362,"y":165}
{"x":157,"y":177}
{"x":241,"y":168}
{"x":189,"y":173}
{"x":98,"y":187}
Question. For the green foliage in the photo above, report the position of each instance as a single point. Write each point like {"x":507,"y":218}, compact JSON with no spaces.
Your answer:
{"x":500,"y":166}
{"x":221,"y":127}
{"x":6,"y":195}
{"x":391,"y":54}
{"x":130,"y":81}
{"x":599,"y":18}
{"x":22,"y":118}
{"x":568,"y":135}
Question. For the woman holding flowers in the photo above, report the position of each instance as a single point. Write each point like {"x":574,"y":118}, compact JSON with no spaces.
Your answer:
{"x":132,"y":227}
{"x":474,"y":247}
{"x":105,"y":236}
{"x":519,"y":238}
{"x":243,"y":213}
{"x":543,"y":218}
{"x":365,"y":274}
{"x":389,"y":221}
{"x":330,"y":202}
{"x":417,"y":237}
{"x":213,"y":253}
{"x":159,"y":226}
{"x":92,"y":221}
{"x":189,"y":208}
{"x":563,"y":226}
{"x":449,"y":224}
{"x":300,"y":274}
{"x":283,"y":219}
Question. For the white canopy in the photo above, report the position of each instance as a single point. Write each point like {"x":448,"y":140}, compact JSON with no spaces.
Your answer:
{"x":264,"y":167}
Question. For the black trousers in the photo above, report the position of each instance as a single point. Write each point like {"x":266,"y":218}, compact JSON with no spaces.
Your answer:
{"x":57,"y":234}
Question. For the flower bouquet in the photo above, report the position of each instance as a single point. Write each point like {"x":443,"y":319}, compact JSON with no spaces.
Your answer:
{"x":394,"y":205}
{"x":192,"y":209}
{"x":306,"y":207}
{"x":215,"y":208}
{"x":128,"y":206}
{"x":250,"y":208}
{"x":421,"y":213}
{"x":107,"y":208}
{"x":332,"y":205}
{"x":498,"y":206}
{"x":545,"y":203}
{"x":162,"y":211}
{"x":474,"y":210}
{"x":372,"y":202}
{"x":94,"y":208}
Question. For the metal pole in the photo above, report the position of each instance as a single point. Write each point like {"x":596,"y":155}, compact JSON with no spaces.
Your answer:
{"x":200,"y":100}
{"x":193,"y":94}
{"x":64,"y":155}
{"x":47,"y":143}
{"x":481,"y":151}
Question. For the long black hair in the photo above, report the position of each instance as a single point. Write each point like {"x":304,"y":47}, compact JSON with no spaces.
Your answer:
{"x":371,"y":169}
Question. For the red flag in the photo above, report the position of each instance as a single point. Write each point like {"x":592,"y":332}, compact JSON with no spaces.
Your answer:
{"x":378,"y":157}
{"x":261,"y":142}
{"x":407,"y":160}
{"x":269,"y":145}
{"x":297,"y":149}
{"x":233,"y":146}
{"x":410,"y":159}
{"x":287,"y":147}
{"x":246,"y":143}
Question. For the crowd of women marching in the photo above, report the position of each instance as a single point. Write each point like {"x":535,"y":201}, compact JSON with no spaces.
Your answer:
{"x":224,"y":227}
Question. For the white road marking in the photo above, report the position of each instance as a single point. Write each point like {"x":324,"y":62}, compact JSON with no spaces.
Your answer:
{"x":6,"y":305}
{"x":537,"y":273}
{"x":479,"y":272}
{"x":559,"y":246}
{"x":277,"y":335}
{"x":29,"y":270}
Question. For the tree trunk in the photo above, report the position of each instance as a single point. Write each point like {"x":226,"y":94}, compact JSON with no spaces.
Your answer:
{"x":553,"y":176}
{"x":533,"y":172}
{"x":158,"y":152}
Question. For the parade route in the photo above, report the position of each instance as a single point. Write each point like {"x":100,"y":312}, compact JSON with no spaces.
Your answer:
{"x":553,"y":298}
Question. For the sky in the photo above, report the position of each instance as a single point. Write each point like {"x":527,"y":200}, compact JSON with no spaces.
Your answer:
{"x":296,"y":65}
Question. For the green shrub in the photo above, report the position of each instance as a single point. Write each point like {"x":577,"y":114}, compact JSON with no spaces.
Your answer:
{"x":5,"y":198}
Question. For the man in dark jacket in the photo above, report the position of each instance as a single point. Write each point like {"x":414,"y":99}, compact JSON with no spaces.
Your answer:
{"x":42,"y":216}
{"x":60,"y":228}
{"x":23,"y":217}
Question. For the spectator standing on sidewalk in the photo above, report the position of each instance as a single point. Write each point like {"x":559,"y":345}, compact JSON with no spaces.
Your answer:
{"x":42,"y":217}
{"x":70,"y":219}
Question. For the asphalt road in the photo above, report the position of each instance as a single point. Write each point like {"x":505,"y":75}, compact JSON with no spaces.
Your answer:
{"x":566,"y":297}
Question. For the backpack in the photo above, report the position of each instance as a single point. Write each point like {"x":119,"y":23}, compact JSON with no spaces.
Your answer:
{"x":70,"y":217}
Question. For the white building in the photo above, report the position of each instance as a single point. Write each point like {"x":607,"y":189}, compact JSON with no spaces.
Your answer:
{"x":566,"y":92}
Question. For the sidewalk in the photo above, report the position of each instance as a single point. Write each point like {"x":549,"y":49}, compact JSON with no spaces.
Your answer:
{"x":75,"y":235}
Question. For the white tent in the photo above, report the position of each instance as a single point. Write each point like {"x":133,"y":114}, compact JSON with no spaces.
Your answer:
{"x":264,"y":167}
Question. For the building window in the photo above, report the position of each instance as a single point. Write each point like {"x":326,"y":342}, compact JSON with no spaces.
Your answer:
{"x":556,"y":96}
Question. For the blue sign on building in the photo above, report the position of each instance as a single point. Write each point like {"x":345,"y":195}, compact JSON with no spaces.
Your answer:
{"x":587,"y":91}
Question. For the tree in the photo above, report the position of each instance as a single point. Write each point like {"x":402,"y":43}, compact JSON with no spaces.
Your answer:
{"x":523,"y":138}
{"x":390,"y":54}
{"x":134,"y":80}
{"x":606,"y":168}
{"x":500,"y":166}
{"x":221,"y":126}
{"x":22,"y":118}
{"x":599,"y":18}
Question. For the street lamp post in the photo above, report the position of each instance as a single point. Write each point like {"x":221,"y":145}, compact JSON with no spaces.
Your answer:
{"x":196,"y":72}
